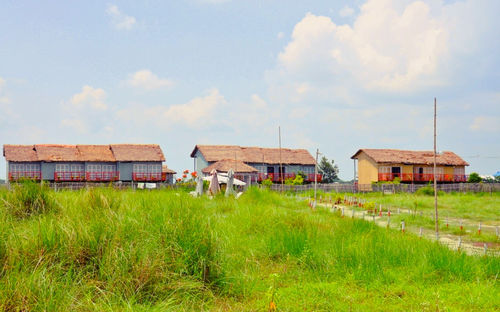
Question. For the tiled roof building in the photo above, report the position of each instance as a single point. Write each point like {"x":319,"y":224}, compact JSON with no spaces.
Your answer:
{"x":408,"y":166}
{"x":58,"y":162}
{"x":254,"y":163}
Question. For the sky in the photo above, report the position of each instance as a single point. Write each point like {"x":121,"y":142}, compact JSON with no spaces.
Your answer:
{"x":333,"y":75}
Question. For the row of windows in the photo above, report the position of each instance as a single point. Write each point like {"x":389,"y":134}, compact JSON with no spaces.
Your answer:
{"x":420,"y":170}
{"x":287,"y":169}
{"x":142,"y":168}
{"x":24,"y":167}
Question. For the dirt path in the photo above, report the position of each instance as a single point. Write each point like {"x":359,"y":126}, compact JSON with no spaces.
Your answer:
{"x":453,"y":242}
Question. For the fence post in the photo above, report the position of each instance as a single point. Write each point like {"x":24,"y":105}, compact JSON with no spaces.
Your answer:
{"x":459,"y":243}
{"x":363,"y":215}
{"x":342,"y":215}
{"x":479,"y":228}
{"x":373,"y":218}
{"x":485,"y":248}
{"x":420,"y":232}
{"x":496,"y":230}
{"x":389,"y":222}
{"x":461,"y":226}
{"x":403,"y":226}
{"x":352,"y":216}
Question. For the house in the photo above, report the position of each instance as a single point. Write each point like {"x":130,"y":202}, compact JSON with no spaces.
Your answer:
{"x":254,"y":164}
{"x":167,"y":174}
{"x":242,"y":171}
{"x":96,"y":163}
{"x":376,"y":165}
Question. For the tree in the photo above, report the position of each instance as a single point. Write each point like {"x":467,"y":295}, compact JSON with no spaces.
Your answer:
{"x":474,"y":178}
{"x":329,"y":170}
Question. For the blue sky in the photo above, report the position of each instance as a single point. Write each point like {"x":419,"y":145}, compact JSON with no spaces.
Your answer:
{"x":335,"y":75}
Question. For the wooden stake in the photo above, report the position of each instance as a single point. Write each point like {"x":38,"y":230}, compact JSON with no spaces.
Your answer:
{"x":434,"y":177}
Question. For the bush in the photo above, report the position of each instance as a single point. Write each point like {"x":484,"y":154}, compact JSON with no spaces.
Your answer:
{"x":28,"y":198}
{"x":299,"y":180}
{"x":267,"y":182}
{"x":474,"y":178}
{"x":428,"y":191}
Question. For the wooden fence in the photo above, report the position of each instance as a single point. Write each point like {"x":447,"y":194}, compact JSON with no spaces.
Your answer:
{"x":388,"y":188}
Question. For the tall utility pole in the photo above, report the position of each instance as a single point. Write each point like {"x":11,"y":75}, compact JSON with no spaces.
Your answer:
{"x":435,"y":180}
{"x":281,"y":175}
{"x":315,"y":177}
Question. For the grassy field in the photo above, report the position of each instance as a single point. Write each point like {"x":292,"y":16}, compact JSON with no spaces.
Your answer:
{"x":108,"y":250}
{"x":454,"y":209}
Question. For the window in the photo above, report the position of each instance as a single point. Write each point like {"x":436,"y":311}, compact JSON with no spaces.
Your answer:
{"x":154,"y":169}
{"x":76,"y":167}
{"x":23,"y":170}
{"x":459,"y":171}
{"x":140,"y":168}
{"x":62,"y":168}
{"x":108,"y":168}
{"x":384,"y":169}
{"x":94,"y":168}
{"x":17,"y":168}
{"x":147,"y":172}
{"x":33,"y":167}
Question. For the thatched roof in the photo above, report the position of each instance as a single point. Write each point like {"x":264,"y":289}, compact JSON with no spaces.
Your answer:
{"x":224,"y":165}
{"x":137,"y":152}
{"x":394,"y":156}
{"x":70,"y":153}
{"x":213,"y":153}
{"x":19,"y":153}
{"x":165,"y":169}
{"x":95,"y":153}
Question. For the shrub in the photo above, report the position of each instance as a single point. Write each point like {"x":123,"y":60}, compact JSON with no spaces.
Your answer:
{"x":299,"y":180}
{"x":267,"y":182}
{"x":428,"y":191}
{"x":474,"y":178}
{"x":28,"y":198}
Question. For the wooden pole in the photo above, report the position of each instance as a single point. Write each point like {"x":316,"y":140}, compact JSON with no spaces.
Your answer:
{"x":435,"y":180}
{"x":316,"y":176}
{"x":281,"y":164}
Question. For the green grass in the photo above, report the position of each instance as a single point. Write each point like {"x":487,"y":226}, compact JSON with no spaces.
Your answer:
{"x":473,"y":206}
{"x":107,"y":250}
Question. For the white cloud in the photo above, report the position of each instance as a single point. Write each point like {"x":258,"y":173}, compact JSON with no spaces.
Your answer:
{"x":120,"y":20}
{"x":486,"y":124}
{"x":145,"y":79}
{"x":280,"y":35}
{"x":89,"y":98}
{"x":385,"y":49}
{"x":346,"y":11}
{"x":198,"y":113}
{"x":86,"y":111}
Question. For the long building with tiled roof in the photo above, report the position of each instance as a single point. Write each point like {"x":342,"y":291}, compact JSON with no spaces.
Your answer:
{"x":99,"y":163}
{"x":254,"y":163}
{"x":376,"y":165}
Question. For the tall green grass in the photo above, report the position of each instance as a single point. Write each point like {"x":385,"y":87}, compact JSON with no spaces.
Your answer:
{"x":103,"y":249}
